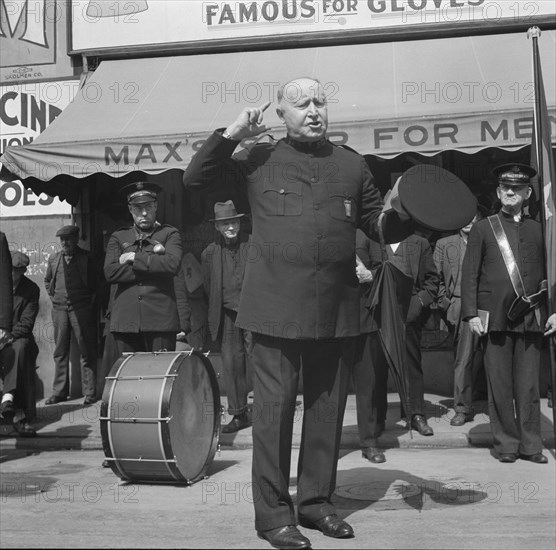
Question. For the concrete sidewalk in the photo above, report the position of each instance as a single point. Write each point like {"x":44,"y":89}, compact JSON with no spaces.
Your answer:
{"x":71,"y":425}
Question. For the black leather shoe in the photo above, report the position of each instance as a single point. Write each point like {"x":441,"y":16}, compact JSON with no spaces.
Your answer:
{"x":105,"y":464}
{"x":331,"y":526}
{"x":374,"y":455}
{"x":89,"y":400}
{"x":285,"y":537}
{"x":238,"y":422}
{"x":537,"y":458}
{"x":461,"y":418}
{"x":507,"y":457}
{"x":23,"y":429}
{"x":7,"y":410}
{"x":53,"y":399}
{"x":419,"y":423}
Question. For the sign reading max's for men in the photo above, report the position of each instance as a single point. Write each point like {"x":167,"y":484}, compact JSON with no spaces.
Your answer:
{"x":99,"y":25}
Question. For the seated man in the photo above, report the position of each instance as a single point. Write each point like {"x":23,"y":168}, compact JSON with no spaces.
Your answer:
{"x":18,"y":358}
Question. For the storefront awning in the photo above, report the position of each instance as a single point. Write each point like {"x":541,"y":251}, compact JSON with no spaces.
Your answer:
{"x":425,"y":96}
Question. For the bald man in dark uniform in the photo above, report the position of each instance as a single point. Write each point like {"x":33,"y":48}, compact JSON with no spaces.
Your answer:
{"x":300,"y":296}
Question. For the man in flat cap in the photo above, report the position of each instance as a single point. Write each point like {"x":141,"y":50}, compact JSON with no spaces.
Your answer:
{"x":223,"y":263}
{"x":504,"y":261}
{"x":143,"y":261}
{"x":18,"y":359}
{"x":71,"y":282}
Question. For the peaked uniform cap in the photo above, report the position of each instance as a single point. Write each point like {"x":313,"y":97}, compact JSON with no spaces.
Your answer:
{"x":225,"y":211}
{"x":514,"y":174}
{"x":141,"y":191}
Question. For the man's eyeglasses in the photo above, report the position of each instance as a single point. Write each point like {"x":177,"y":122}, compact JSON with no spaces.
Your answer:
{"x":144,"y":207}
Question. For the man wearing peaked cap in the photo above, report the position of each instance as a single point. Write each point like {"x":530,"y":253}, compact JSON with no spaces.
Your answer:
{"x":143,"y":260}
{"x":512,"y":340}
{"x":141,"y":191}
{"x":19,"y":399}
{"x":514,"y":174}
{"x":71,"y":282}
{"x":223,"y":263}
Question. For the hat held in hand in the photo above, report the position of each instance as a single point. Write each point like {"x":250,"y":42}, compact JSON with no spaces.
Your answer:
{"x":436,"y":198}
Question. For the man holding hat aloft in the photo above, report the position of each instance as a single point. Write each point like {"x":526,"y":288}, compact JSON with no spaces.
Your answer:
{"x":143,"y":260}
{"x":504,"y":263}
{"x":20,"y":356}
{"x":223,"y":263}
{"x":71,"y":282}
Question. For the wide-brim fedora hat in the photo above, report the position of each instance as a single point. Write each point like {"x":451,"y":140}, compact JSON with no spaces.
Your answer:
{"x":225,"y":211}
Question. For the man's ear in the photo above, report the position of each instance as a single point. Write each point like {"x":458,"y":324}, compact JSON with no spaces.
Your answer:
{"x":529,"y":191}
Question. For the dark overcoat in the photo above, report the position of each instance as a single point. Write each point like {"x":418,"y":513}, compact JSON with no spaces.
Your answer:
{"x":211,"y":262}
{"x":485,"y":280}
{"x":144,"y":299}
{"x":6,"y":296}
{"x":306,"y":202}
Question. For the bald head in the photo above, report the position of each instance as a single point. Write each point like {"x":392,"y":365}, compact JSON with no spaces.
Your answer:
{"x":302,"y":107}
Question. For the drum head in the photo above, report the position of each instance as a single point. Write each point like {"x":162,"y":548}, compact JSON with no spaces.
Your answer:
{"x":194,"y":412}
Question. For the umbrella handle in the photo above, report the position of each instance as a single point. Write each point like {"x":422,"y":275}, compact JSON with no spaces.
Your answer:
{"x":381,"y":237}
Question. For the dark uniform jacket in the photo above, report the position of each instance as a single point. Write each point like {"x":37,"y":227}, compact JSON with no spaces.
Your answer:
{"x":211,"y":261}
{"x":87,"y":270}
{"x":485,"y":280}
{"x":145,"y":298}
{"x":306,"y":202}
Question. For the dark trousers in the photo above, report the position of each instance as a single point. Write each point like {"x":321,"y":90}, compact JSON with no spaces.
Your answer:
{"x":236,"y":362}
{"x":326,"y":371}
{"x":466,"y":345}
{"x":25,"y":357}
{"x":413,"y":332}
{"x":132,"y":342}
{"x":84,"y":326}
{"x":370,"y":380}
{"x":512,"y":363}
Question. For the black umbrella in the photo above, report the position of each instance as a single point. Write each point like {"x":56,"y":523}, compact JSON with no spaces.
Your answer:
{"x":389,"y":301}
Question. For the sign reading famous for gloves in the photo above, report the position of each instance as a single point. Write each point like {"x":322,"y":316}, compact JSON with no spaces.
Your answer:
{"x":191,"y":24}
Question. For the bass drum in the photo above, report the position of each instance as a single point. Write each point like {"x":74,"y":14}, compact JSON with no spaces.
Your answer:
{"x":160,"y":416}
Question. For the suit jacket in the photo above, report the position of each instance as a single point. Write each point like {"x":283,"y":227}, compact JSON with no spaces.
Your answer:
{"x":485,"y":281}
{"x":145,"y":297}
{"x":211,"y":261}
{"x":414,"y":258}
{"x":306,"y":202}
{"x":6,"y":296}
{"x":87,"y":269}
{"x":26,"y":308}
{"x":448,"y":257}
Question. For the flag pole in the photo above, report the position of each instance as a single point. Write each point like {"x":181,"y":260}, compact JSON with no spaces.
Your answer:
{"x":534,"y":33}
